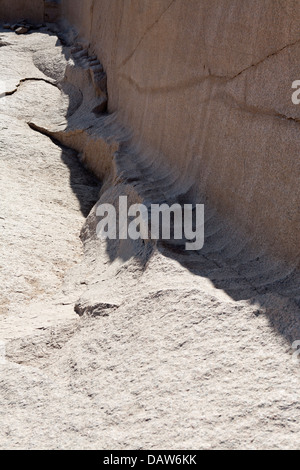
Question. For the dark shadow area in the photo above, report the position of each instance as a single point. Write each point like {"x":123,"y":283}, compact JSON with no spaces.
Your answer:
{"x":268,"y":284}
{"x":83,"y":183}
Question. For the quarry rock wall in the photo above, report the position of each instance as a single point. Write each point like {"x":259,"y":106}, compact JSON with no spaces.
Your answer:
{"x":205,"y":87}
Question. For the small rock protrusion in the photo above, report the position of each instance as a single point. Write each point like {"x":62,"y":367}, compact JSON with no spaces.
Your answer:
{"x":101,"y":309}
{"x":22,"y":30}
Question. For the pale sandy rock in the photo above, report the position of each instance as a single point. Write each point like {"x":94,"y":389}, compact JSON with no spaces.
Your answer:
{"x":172,"y":350}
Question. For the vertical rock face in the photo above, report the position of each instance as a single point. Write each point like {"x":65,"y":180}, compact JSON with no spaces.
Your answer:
{"x":14,"y":10}
{"x":206,"y":87}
